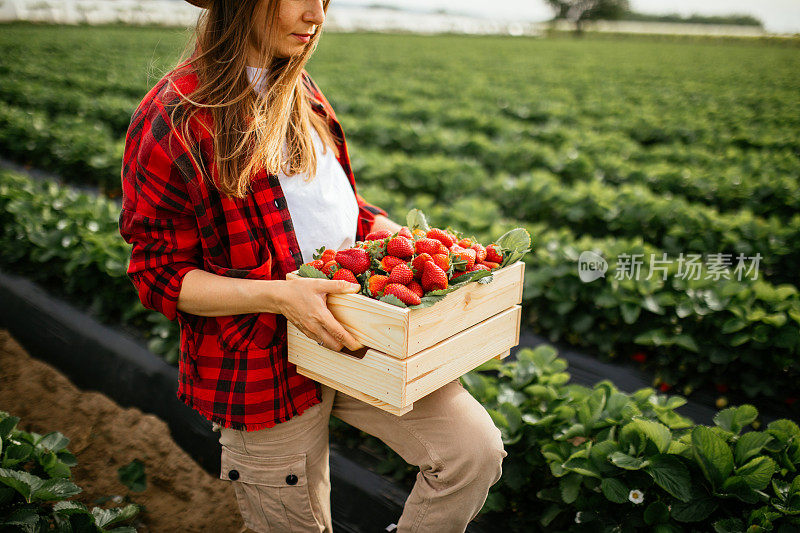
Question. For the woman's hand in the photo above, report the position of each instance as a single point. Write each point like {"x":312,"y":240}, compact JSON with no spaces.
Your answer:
{"x":304,"y":304}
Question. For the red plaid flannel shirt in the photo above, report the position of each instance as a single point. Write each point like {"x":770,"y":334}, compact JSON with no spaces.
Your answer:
{"x":233,"y":369}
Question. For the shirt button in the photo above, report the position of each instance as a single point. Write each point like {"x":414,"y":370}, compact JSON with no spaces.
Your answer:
{"x":291,"y":479}
{"x":234,"y":475}
{"x":277,"y":204}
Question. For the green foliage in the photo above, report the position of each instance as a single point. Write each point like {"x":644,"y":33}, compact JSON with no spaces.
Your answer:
{"x":579,"y":458}
{"x":35,"y":486}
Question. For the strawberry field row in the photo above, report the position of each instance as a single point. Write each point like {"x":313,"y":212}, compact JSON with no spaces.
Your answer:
{"x":699,"y":332}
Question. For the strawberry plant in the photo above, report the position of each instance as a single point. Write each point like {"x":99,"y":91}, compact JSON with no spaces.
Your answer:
{"x":35,"y":486}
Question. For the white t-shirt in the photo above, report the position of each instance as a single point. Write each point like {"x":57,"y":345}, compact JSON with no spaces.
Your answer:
{"x":324,"y":210}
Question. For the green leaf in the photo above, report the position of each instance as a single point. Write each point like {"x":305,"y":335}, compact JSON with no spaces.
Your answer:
{"x":7,"y":425}
{"x":114,"y":515}
{"x":416,"y":219}
{"x":392,"y":299}
{"x":614,"y":490}
{"x":671,"y":474}
{"x":656,"y":432}
{"x":656,"y":513}
{"x":54,"y":441}
{"x":23,"y":482}
{"x":308,"y":271}
{"x":757,"y":472}
{"x":737,"y":486}
{"x":55,"y":489}
{"x":69,"y":507}
{"x":627,"y":462}
{"x":570,"y":486}
{"x":18,"y":453}
{"x":630,"y":312}
{"x":515,"y":240}
{"x":582,"y":466}
{"x":729,"y":525}
{"x":750,"y":444}
{"x":735,"y":418}
{"x":712,"y":455}
{"x":133,"y":476}
{"x":695,"y":510}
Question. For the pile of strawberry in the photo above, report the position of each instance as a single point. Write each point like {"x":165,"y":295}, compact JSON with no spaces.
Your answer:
{"x":407,"y":265}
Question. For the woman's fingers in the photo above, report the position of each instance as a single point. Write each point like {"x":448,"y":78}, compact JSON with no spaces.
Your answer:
{"x":339,"y":286}
{"x":337,"y":331}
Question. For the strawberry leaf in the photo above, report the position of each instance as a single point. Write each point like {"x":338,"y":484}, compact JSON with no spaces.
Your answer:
{"x":307,"y":271}
{"x":392,"y":299}
{"x":515,"y":240}
{"x":475,"y":275}
{"x":427,"y":301}
{"x":318,"y":253}
{"x":416,"y":219}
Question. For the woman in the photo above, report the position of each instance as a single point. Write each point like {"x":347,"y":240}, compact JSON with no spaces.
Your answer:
{"x":235,"y":170}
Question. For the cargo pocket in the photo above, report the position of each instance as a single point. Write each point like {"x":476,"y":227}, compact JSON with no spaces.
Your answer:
{"x":272,"y":492}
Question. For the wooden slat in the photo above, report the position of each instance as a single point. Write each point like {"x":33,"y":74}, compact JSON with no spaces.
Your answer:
{"x":465,"y":307}
{"x":504,"y":354}
{"x":354,"y":393}
{"x":372,"y":323}
{"x":454,"y":357}
{"x":376,"y":374}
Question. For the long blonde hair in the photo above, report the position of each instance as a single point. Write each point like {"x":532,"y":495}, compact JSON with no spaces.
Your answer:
{"x":250,"y":127}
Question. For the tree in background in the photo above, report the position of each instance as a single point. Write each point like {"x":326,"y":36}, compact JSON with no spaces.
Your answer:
{"x":579,"y":11}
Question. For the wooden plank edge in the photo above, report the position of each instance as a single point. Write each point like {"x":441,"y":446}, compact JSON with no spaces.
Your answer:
{"x":398,"y":411}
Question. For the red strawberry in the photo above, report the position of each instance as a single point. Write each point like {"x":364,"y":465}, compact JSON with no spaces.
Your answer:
{"x":427,"y":246}
{"x":641,"y":357}
{"x":419,"y":264}
{"x":441,"y":236}
{"x":326,"y":269}
{"x":401,"y":274}
{"x":405,"y":232}
{"x":377,"y":283}
{"x":433,"y":277}
{"x":355,"y":260}
{"x":389,"y":262}
{"x":317,"y":263}
{"x":465,"y":243}
{"x":493,"y":254}
{"x":442,"y":261}
{"x":416,"y":288}
{"x":400,"y":247}
{"x":492,"y":265}
{"x":480,"y":252}
{"x":328,"y":255}
{"x":664,"y":387}
{"x":458,"y":273}
{"x":479,"y":266}
{"x":378,"y":235}
{"x":346,"y":275}
{"x":406,"y":295}
{"x":467,"y":255}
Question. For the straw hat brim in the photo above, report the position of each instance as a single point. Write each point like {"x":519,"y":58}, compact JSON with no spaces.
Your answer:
{"x":200,"y":3}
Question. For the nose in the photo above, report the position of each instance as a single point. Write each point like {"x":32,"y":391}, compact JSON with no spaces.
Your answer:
{"x":315,"y":14}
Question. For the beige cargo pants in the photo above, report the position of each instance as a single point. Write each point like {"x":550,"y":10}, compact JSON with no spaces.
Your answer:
{"x":281,"y":474}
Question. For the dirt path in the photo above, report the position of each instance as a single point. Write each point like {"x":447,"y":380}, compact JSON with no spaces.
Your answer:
{"x":180,"y":495}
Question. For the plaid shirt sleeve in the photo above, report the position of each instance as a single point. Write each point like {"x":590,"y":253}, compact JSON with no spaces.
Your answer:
{"x":157,"y":216}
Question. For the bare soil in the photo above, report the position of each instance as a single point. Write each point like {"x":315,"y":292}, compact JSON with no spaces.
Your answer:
{"x":180,"y":495}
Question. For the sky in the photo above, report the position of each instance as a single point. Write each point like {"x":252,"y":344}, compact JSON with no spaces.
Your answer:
{"x":780,"y":16}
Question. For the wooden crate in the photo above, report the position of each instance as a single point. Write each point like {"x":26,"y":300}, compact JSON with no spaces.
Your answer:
{"x":394,"y":384}
{"x":410,"y":353}
{"x":402,"y":332}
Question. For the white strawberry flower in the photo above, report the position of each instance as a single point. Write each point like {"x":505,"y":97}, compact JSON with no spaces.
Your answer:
{"x":636,"y":496}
